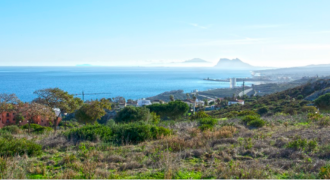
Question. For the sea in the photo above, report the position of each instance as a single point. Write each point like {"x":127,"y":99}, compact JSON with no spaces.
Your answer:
{"x":107,"y":82}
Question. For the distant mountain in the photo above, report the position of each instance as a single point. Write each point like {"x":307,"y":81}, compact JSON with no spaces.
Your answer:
{"x":195,"y":60}
{"x":225,"y":63}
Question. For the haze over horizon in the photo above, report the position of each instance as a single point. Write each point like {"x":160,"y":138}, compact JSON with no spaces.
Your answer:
{"x":140,"y":33}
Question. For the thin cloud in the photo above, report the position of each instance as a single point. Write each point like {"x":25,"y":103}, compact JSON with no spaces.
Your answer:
{"x":264,"y":26}
{"x":308,"y":46}
{"x":231,"y":42}
{"x":199,"y":26}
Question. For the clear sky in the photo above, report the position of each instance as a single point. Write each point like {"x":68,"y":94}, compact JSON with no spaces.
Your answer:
{"x":138,"y":32}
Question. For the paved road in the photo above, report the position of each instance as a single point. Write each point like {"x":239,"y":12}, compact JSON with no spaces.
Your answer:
{"x":245,"y":92}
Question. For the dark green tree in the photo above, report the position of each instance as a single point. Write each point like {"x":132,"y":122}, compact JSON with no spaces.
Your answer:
{"x":132,"y":114}
{"x":323,"y":102}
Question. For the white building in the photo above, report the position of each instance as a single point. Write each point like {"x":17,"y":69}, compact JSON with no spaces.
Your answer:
{"x":143,"y":102}
{"x":241,"y":102}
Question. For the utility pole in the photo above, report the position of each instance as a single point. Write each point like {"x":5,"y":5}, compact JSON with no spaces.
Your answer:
{"x":83,"y":95}
{"x":243,"y":88}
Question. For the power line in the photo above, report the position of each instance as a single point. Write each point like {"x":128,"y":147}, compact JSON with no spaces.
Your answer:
{"x":83,"y":94}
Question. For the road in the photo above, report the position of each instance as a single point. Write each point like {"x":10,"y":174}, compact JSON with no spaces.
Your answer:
{"x":245,"y":92}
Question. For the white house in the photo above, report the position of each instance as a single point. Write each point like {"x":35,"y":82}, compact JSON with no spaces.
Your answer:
{"x":143,"y":102}
{"x":241,"y":102}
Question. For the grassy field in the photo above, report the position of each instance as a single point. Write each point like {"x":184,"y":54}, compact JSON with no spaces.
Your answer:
{"x":286,"y":147}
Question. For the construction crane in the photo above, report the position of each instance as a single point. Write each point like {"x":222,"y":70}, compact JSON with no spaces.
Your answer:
{"x":83,"y":94}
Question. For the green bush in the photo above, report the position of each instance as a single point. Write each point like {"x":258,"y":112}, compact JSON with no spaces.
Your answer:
{"x":323,"y":101}
{"x":12,"y":129}
{"x":120,"y":133}
{"x":132,"y":114}
{"x":309,"y":109}
{"x":247,"y":112}
{"x":36,"y":128}
{"x":138,"y":132}
{"x":263,"y":110}
{"x":199,"y":115}
{"x":257,"y":123}
{"x":300,"y":97}
{"x":324,"y":172}
{"x":302,"y":144}
{"x":207,"y":123}
{"x":232,"y":114}
{"x":13,"y":146}
{"x":250,"y":118}
{"x":253,"y":121}
{"x":90,"y":133}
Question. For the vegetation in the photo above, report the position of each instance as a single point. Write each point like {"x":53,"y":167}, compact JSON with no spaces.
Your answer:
{"x":133,"y":114}
{"x":290,"y":140}
{"x":323,"y":101}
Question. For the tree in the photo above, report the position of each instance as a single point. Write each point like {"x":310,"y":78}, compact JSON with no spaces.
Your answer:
{"x":206,"y":102}
{"x":89,"y":113}
{"x":177,"y":108}
{"x":218,"y":101}
{"x":8,"y":102}
{"x":57,"y":98}
{"x":132,"y":114}
{"x":188,"y":96}
{"x":35,"y":110}
{"x":323,"y":101}
{"x":194,"y":99}
{"x":172,"y":98}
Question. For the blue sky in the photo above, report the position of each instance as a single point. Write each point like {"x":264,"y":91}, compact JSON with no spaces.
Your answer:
{"x":130,"y":32}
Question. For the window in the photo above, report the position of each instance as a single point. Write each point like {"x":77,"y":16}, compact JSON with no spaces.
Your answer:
{"x":13,"y":114}
{"x":8,"y":121}
{"x":7,"y":114}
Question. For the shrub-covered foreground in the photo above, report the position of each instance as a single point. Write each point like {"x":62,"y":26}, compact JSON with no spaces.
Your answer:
{"x":286,"y":146}
{"x":122,"y":133}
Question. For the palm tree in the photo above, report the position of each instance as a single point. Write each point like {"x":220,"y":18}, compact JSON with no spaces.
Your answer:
{"x":218,"y":101}
{"x":188,"y":96}
{"x":172,"y":98}
{"x":194,"y":98}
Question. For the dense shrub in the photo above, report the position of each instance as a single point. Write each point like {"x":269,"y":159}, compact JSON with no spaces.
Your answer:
{"x":132,"y":114}
{"x":302,"y":144}
{"x":263,"y":110}
{"x":246,"y":112}
{"x":325,"y":172}
{"x":207,"y":123}
{"x":90,"y":133}
{"x":36,"y":128}
{"x":309,"y":109}
{"x":12,"y":129}
{"x":300,"y":97}
{"x":257,"y":123}
{"x":199,"y":115}
{"x":138,"y":132}
{"x":13,"y":146}
{"x":290,"y":110}
{"x":231,"y":114}
{"x":120,"y":133}
{"x":253,"y":121}
{"x":323,"y":101}
{"x":173,"y":109}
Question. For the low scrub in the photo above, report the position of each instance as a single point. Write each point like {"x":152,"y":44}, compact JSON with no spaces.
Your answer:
{"x":199,"y":115}
{"x":90,"y":133}
{"x":207,"y":123}
{"x":12,"y":146}
{"x":303,"y":144}
{"x":254,"y":121}
{"x":121,"y":133}
{"x":138,"y":132}
{"x":37,"y":129}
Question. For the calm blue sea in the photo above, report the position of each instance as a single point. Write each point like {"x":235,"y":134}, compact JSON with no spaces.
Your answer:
{"x":129,"y":82}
